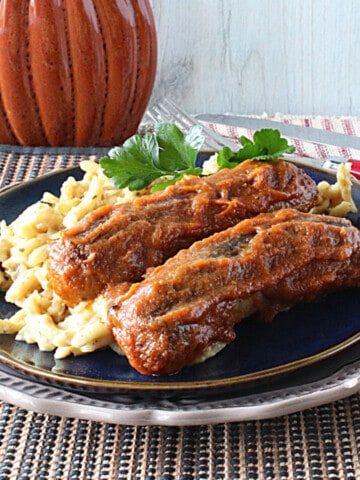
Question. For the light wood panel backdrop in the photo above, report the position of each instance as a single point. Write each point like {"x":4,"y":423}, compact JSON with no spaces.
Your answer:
{"x":255,"y":56}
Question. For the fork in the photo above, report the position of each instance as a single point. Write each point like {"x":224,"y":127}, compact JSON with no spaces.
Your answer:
{"x":167,"y":111}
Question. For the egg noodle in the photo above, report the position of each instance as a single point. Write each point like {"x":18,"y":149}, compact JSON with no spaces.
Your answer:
{"x":42,"y":317}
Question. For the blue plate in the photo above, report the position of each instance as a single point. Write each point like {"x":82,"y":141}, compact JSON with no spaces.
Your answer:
{"x":303,"y":337}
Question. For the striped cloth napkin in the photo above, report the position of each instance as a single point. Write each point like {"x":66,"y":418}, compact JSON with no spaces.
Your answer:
{"x":346,"y":125}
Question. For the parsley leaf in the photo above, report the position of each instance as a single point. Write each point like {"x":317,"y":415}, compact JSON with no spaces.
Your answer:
{"x":267,"y":144}
{"x":144,"y":158}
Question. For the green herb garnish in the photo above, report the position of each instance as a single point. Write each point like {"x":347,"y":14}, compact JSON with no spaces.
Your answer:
{"x":169,"y":153}
{"x":144,"y":158}
{"x":267,"y":144}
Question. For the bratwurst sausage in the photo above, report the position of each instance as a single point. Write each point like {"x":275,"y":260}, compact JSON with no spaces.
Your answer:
{"x":119,"y":243}
{"x":184,"y":309}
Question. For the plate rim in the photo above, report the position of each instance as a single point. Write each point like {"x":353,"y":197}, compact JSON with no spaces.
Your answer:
{"x":50,"y":400}
{"x":120,"y":385}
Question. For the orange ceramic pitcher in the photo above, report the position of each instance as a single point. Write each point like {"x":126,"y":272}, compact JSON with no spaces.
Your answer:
{"x":74,"y":72}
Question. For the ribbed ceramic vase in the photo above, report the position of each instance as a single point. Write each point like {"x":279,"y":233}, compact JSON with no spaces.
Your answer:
{"x":74,"y":72}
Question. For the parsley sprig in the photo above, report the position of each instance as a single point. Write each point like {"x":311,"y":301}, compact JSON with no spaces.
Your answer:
{"x":167,"y":154}
{"x":267,"y":144}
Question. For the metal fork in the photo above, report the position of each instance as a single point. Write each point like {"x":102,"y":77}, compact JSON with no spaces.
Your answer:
{"x":167,"y":111}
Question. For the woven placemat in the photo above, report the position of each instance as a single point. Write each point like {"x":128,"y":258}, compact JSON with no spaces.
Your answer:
{"x":319,"y":443}
{"x":18,"y":164}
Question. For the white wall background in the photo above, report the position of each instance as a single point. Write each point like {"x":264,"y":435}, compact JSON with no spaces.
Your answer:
{"x":255,"y":56}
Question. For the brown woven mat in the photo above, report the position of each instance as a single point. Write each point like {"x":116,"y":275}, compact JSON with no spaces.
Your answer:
{"x":23,"y":163}
{"x":320,"y":443}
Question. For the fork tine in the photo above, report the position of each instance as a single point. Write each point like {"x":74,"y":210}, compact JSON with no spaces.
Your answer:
{"x":160,"y":113}
{"x":215,"y":137}
{"x":150,"y":116}
{"x":185,"y":122}
{"x":167,"y":111}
